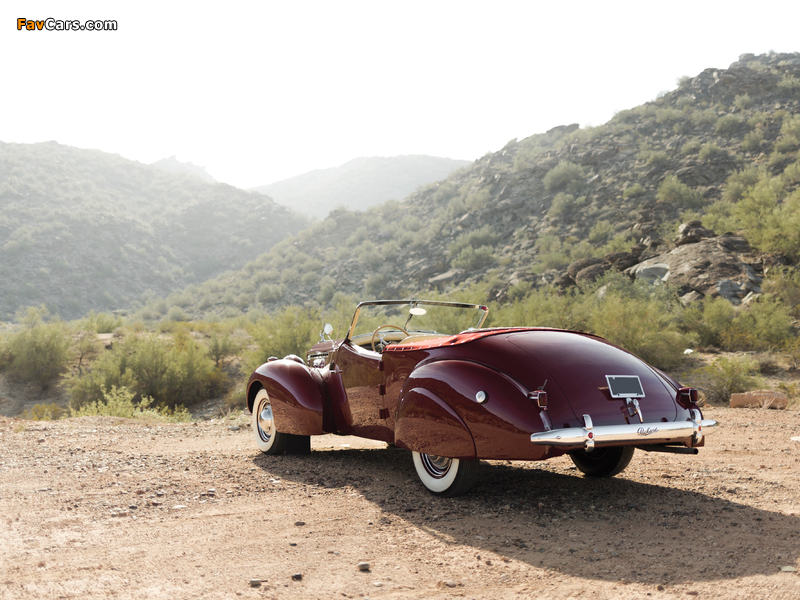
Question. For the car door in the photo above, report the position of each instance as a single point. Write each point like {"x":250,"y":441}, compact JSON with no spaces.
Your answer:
{"x":362,"y":411}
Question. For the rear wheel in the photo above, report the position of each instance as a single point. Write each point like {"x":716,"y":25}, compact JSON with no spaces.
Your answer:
{"x":603,"y":462}
{"x":444,"y":476}
{"x":268,"y":439}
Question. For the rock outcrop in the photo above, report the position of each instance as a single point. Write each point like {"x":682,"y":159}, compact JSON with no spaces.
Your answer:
{"x":713,"y":266}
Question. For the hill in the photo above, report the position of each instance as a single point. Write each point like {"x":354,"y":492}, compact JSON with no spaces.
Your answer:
{"x":721,"y":149}
{"x":84,"y":230}
{"x":173,"y":165}
{"x":359,"y":183}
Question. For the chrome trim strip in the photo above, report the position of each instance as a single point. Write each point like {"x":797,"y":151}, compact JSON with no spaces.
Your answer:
{"x":609,"y":435}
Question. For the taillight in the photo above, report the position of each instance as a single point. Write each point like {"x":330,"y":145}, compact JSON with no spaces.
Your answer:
{"x":687,"y":397}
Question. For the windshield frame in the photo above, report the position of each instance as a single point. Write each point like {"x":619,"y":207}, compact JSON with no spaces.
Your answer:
{"x":412,"y":303}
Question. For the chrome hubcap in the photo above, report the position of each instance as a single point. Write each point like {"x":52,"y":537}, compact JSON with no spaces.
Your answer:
{"x":266,"y":426}
{"x":436,"y":466}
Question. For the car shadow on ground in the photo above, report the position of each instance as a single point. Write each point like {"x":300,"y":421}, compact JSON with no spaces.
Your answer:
{"x":606,"y":529}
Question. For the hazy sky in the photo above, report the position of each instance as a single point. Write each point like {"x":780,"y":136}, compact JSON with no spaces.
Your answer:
{"x":261,"y":91}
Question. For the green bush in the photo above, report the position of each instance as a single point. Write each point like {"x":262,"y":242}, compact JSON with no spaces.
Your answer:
{"x":752,"y":141}
{"x":691,"y":147}
{"x":742,"y":102}
{"x":600,"y":232}
{"x":119,"y":402}
{"x":710,"y":151}
{"x":729,"y":125}
{"x":38,"y":353}
{"x":45,"y":412}
{"x":763,"y":325}
{"x":291,"y":330}
{"x":726,"y":376}
{"x":270,"y":292}
{"x":221,"y":345}
{"x":483,"y":236}
{"x":673,"y":192}
{"x":471,"y":259}
{"x":790,"y":126}
{"x":565,"y":175}
{"x":633,"y":191}
{"x":177,"y":371}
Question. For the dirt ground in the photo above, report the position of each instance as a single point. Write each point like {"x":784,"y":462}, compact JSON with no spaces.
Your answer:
{"x":103,"y":507}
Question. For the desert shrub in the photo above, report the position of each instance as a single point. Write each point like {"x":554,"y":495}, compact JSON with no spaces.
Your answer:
{"x":176,"y":313}
{"x":791,"y":126}
{"x":673,"y":192}
{"x":786,"y":144}
{"x":483,"y":236}
{"x":737,"y":184}
{"x":289,"y":275}
{"x":763,"y":325}
{"x":45,"y":412}
{"x":269,"y":292}
{"x":752,"y":141}
{"x":668,"y":114}
{"x":552,"y":253}
{"x":375,"y":284}
{"x":710,"y":151}
{"x":641,"y":318}
{"x":120,"y":402}
{"x":633,"y":191}
{"x":742,"y":102}
{"x":654,"y":158}
{"x":292,"y":330}
{"x":565,"y":175}
{"x":704,"y":117}
{"x":691,"y":147}
{"x":101,"y":322}
{"x":39,"y":352}
{"x":562,"y":205}
{"x":327,"y":287}
{"x":221,"y":345}
{"x":791,"y":174}
{"x":789,"y":84}
{"x":792,"y":350}
{"x":600,"y":232}
{"x":729,"y":125}
{"x":177,"y":371}
{"x":519,"y":291}
{"x":784,"y":284}
{"x":471,"y":259}
{"x":726,"y":376}
{"x":709,"y":320}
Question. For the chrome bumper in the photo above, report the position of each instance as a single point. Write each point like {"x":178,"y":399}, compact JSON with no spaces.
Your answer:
{"x":637,"y":433}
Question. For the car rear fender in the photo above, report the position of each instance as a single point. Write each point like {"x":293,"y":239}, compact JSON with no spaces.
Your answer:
{"x":425,"y":423}
{"x":494,"y":409}
{"x":297,"y":395}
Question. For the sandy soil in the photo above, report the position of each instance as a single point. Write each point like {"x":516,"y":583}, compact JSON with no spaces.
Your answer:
{"x":101,"y":507}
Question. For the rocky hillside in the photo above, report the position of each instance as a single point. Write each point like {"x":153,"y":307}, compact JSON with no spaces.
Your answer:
{"x":719,"y":152}
{"x":360,"y":183}
{"x":84,"y":230}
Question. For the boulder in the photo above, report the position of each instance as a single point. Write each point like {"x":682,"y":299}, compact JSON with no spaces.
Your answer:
{"x":691,"y":233}
{"x":581,"y":264}
{"x":760,"y":399}
{"x":592,"y":272}
{"x":712,"y":267}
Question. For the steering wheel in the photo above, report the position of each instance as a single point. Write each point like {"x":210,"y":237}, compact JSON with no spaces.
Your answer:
{"x":381,"y":344}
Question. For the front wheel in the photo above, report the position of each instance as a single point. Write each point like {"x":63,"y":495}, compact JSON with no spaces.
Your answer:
{"x":268,"y":439}
{"x":603,"y":462}
{"x":444,"y":476}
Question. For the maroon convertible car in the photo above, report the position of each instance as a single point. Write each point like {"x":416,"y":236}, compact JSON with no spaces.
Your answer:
{"x":424,"y":376}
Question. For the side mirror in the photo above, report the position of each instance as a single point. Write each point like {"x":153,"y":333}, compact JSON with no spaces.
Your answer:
{"x":328,"y":329}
